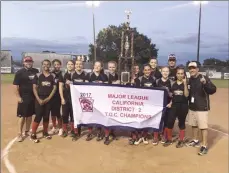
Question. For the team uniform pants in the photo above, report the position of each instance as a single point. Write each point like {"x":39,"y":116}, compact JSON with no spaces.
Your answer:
{"x":163,"y":125}
{"x":179,"y":111}
{"x":55,"y":111}
{"x":42,"y":112}
{"x":67,"y":113}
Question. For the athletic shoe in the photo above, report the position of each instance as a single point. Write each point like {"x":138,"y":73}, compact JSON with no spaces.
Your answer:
{"x":64,"y":134}
{"x":72,"y":133}
{"x":60,"y":132}
{"x":167,"y":143}
{"x":131,"y":141}
{"x":138,"y":141}
{"x":203,"y":151}
{"x":180,"y":144}
{"x":54,"y":131}
{"x":163,"y":140}
{"x":33,"y":138}
{"x":113,"y":136}
{"x":193,"y":143}
{"x":75,"y":137}
{"x":145,"y":141}
{"x":27,"y":133}
{"x":155,"y":142}
{"x":107,"y":141}
{"x":89,"y":137}
{"x":46,"y":135}
{"x":19,"y":138}
{"x":99,"y":137}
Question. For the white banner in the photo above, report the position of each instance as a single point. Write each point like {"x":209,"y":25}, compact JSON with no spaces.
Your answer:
{"x":214,"y":74}
{"x":226,"y":75}
{"x":5,"y":70}
{"x":117,"y":106}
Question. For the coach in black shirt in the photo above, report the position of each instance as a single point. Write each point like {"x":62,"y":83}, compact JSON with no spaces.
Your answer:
{"x":24,"y":93}
{"x":172,"y":66}
{"x":200,"y":87}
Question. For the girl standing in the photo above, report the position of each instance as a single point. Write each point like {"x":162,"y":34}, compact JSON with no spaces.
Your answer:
{"x":97,"y":76}
{"x":163,"y":82}
{"x":66,"y":102}
{"x":178,"y":107}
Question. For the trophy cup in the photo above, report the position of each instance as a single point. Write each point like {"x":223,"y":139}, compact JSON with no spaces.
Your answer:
{"x":125,"y":68}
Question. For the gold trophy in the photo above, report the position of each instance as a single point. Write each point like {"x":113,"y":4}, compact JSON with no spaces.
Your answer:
{"x":125,"y":68}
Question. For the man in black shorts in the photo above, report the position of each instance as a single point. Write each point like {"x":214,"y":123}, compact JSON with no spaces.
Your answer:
{"x":56,"y":101}
{"x":24,"y":93}
{"x":44,"y":87}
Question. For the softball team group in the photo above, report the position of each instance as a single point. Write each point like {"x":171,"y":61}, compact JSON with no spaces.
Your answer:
{"x":48,"y":93}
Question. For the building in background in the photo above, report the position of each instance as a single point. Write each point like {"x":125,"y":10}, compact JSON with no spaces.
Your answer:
{"x":6,"y":61}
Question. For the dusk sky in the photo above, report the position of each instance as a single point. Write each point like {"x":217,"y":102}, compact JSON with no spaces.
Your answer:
{"x":172,"y":26}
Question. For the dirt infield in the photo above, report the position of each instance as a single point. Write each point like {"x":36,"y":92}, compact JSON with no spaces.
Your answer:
{"x":62,"y":155}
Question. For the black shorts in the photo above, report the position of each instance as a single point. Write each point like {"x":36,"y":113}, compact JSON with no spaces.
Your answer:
{"x":26,"y":108}
{"x":43,"y":110}
{"x":55,"y":107}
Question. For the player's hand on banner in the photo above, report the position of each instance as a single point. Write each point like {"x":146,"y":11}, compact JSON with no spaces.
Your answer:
{"x":19,"y":100}
{"x":68,"y":82}
{"x":169,"y":105}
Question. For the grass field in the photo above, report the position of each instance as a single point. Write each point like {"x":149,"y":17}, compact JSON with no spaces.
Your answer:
{"x":8,"y":78}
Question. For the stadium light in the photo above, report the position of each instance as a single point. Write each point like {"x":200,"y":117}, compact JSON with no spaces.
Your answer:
{"x":200,"y":3}
{"x":93,"y":4}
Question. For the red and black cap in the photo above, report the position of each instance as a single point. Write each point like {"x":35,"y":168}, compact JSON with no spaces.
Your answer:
{"x":172,"y":57}
{"x":28,"y":59}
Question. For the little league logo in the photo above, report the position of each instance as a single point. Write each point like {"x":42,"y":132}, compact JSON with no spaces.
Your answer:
{"x":86,"y":104}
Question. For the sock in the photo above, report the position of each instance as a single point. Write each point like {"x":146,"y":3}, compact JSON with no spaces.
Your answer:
{"x":34,"y":127}
{"x":53,"y":121}
{"x":106,"y":132}
{"x":155,"y":135}
{"x":169,"y":134}
{"x":64,"y":126}
{"x":72,"y":126}
{"x":165,"y":133}
{"x":134,"y":136}
{"x":59,"y":120}
{"x":182,"y":133}
{"x":144,"y":134}
{"x":76,"y":131}
{"x":45,"y":127}
{"x":90,"y":130}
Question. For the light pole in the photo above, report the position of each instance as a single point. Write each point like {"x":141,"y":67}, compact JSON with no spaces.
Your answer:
{"x":93,"y":5}
{"x":200,"y":11}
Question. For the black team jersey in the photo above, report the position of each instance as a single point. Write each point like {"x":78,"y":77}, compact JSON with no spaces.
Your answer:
{"x":145,"y":82}
{"x":112,"y":78}
{"x":79,"y":77}
{"x":66,"y":88}
{"x":23,"y":78}
{"x":101,"y":77}
{"x":172,"y":73}
{"x":156,"y":73}
{"x":44,"y":84}
{"x":165,"y":84}
{"x":57,"y":78}
{"x":178,"y":94}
